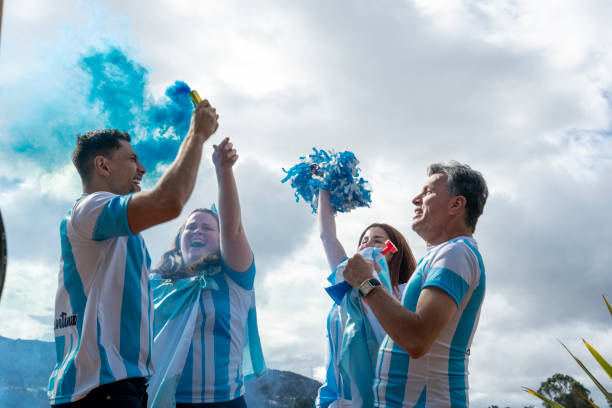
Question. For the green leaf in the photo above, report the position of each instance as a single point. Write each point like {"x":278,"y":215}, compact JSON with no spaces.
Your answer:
{"x":602,"y":362}
{"x":584,"y":397}
{"x":597,"y":383}
{"x":546,"y":400}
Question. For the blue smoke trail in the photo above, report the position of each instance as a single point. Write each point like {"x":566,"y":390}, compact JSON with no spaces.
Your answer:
{"x":106,"y":90}
{"x":118,"y":85}
{"x":168,"y":123}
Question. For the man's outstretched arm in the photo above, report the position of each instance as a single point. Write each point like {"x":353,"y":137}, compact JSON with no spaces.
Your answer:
{"x":165,"y":201}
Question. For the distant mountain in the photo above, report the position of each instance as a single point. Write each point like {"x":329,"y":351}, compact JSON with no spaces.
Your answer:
{"x":26,"y":365}
{"x":278,"y":389}
{"x":24,"y":371}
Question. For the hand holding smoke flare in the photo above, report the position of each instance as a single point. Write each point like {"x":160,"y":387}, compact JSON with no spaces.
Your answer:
{"x":197,"y":100}
{"x":336,"y":172}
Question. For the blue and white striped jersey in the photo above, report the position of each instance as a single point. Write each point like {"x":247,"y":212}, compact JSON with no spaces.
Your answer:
{"x":439,"y":378}
{"x":334,"y":389}
{"x":342,"y":388}
{"x":213,"y":369}
{"x":103,"y":304}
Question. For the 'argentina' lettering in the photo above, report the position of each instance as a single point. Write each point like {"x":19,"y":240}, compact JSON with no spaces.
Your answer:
{"x":64,"y":321}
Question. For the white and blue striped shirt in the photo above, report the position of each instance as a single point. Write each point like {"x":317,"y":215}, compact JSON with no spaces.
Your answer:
{"x":103,"y":305}
{"x":439,"y":378}
{"x":213,"y":369}
{"x":334,"y":389}
{"x":340,"y":390}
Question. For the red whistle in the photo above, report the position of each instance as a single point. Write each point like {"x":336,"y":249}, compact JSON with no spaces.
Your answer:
{"x":388,"y":247}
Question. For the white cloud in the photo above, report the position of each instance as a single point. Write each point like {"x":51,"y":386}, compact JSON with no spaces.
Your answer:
{"x":292,"y":310}
{"x":27,"y":300}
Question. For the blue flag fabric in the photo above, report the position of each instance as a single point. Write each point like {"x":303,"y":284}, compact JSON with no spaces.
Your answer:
{"x":338,"y":291}
{"x":176,"y":311}
{"x":360,"y":340}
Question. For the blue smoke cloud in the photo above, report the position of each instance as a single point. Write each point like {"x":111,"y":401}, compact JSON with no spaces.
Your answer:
{"x":119,"y":87}
{"x":107,"y":89}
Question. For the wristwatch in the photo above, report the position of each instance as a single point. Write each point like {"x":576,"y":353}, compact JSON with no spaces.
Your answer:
{"x":367,"y":286}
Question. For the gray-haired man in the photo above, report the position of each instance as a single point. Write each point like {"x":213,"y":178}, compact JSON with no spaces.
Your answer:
{"x":423,"y":360}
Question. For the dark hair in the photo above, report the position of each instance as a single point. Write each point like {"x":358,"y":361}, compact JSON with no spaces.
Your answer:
{"x":93,"y":143}
{"x":402,"y":263}
{"x":171,"y":263}
{"x":462,"y":180}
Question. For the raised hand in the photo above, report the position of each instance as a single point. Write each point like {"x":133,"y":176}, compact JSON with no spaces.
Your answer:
{"x":224,"y":155}
{"x":204,"y":121}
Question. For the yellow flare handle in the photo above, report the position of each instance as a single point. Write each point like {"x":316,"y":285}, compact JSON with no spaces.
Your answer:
{"x":195,"y":97}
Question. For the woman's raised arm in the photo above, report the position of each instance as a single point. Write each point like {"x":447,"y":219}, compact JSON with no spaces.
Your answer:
{"x":327,"y":228}
{"x":235,"y":248}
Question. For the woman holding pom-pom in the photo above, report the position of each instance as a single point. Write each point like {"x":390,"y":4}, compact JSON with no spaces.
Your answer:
{"x":206,"y":338}
{"x":344,"y":383}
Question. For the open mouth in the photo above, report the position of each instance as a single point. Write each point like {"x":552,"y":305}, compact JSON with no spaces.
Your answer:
{"x":198,"y":243}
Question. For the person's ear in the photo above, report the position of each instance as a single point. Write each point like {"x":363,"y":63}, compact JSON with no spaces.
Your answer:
{"x":101,"y":165}
{"x":457,"y":204}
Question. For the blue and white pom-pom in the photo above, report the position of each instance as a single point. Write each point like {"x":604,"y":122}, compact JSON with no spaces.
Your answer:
{"x":336,"y":172}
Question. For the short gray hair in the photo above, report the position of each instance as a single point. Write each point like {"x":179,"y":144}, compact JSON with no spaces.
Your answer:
{"x":464,"y":181}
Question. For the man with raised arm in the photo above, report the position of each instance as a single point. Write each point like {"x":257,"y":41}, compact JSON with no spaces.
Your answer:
{"x":423,"y":361}
{"x":103,"y":305}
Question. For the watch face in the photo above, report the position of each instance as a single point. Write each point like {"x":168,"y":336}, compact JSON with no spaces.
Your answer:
{"x":366,"y":287}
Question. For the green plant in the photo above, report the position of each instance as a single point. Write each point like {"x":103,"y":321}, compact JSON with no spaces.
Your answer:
{"x":602,"y":362}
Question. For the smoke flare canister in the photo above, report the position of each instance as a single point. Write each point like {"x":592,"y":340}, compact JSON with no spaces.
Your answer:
{"x":195,"y":97}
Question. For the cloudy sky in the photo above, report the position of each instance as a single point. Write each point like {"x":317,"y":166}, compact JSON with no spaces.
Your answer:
{"x":520,"y":90}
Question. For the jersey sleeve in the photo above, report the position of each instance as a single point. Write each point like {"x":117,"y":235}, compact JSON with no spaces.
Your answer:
{"x":102,"y":215}
{"x":452,"y":270}
{"x":243,"y":279}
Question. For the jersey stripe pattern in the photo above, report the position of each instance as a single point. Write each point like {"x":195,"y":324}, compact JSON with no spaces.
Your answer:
{"x":334,"y":388}
{"x":337,"y":390}
{"x":213,"y":369}
{"x":439,"y":378}
{"x":103,"y":305}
